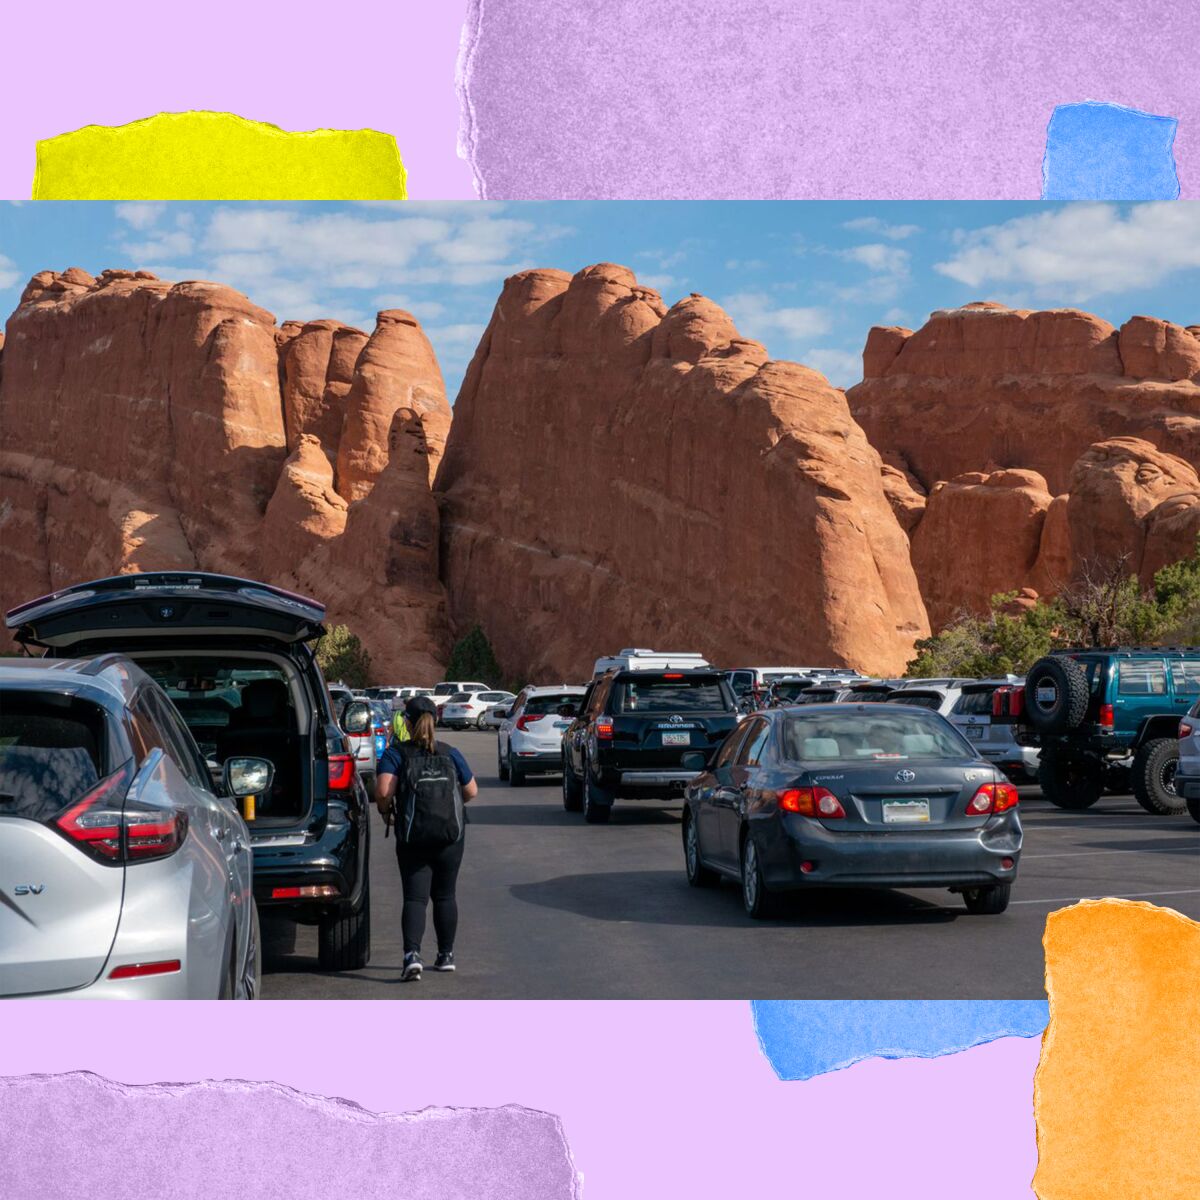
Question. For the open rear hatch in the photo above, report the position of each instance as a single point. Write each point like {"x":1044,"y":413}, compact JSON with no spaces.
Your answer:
{"x":106,"y":613}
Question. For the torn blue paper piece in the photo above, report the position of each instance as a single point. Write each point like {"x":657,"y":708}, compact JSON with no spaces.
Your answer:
{"x":1097,"y":151}
{"x":803,"y":1038}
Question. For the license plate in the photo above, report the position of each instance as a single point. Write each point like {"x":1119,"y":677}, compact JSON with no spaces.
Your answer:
{"x":974,"y":731}
{"x":1047,"y":695}
{"x":905,"y":812}
{"x":670,"y":738}
{"x":561,"y":724}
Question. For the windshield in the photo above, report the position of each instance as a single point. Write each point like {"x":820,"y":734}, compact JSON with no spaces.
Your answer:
{"x":812,"y":696}
{"x":975,"y":704}
{"x":53,"y":748}
{"x":543,"y":705}
{"x":790,"y":689}
{"x":669,"y":694}
{"x":917,"y":699}
{"x":870,"y":695}
{"x":445,"y":689}
{"x":888,"y":733}
{"x":460,"y":698}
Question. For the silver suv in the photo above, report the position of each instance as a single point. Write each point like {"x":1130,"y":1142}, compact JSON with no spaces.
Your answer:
{"x":996,"y":741}
{"x":124,"y":874}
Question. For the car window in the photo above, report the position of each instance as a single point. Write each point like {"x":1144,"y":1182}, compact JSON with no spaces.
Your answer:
{"x":548,"y":703}
{"x":918,"y":700}
{"x":459,"y":697}
{"x":752,"y":748}
{"x":742,"y":681}
{"x":650,"y":692}
{"x":974,"y":704}
{"x":599,"y":698}
{"x":1141,"y":677}
{"x":177,"y":741}
{"x":870,"y":695}
{"x":889,"y":732}
{"x":1185,"y":677}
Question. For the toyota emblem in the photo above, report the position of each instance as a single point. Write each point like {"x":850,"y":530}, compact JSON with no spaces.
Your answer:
{"x":676,"y":719}
{"x":906,"y":776}
{"x":166,"y":612}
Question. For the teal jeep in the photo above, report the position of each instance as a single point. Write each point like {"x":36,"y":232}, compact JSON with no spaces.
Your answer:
{"x":1108,"y":720}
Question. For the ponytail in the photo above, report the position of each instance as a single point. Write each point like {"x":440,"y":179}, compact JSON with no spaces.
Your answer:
{"x":423,"y":734}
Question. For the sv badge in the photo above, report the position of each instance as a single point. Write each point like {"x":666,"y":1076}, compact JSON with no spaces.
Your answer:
{"x":29,"y":889}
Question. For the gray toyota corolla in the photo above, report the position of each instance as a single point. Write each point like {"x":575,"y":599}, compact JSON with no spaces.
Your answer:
{"x":851,"y":795}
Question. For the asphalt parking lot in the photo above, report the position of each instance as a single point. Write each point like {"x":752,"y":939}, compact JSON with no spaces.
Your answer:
{"x":551,"y":908}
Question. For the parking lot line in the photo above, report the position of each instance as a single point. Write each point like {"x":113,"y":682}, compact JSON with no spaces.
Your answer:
{"x":1110,"y":896}
{"x":1078,"y":853}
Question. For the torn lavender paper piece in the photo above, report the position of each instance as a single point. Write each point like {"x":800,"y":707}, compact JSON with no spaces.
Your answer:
{"x":78,"y":1134}
{"x":803,"y":1038}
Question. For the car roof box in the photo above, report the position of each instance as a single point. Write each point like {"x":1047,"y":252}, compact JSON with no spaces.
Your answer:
{"x":649,"y":660}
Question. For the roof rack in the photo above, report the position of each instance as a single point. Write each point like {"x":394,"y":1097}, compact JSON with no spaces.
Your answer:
{"x":1127,"y":650}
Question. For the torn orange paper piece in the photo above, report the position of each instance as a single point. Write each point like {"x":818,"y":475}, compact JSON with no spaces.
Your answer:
{"x":1117,"y":1090}
{"x":217,"y":156}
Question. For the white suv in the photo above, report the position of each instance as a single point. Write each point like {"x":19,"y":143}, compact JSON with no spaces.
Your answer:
{"x":443,"y":691}
{"x":529,"y":740}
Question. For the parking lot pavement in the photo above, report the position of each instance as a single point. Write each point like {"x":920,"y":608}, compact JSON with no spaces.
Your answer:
{"x":551,"y":908}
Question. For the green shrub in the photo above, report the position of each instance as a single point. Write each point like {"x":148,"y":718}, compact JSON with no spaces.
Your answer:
{"x":343,"y":658}
{"x":473,"y":660}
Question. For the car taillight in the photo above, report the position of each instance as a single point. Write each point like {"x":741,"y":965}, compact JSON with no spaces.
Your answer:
{"x":341,"y":772}
{"x":138,"y":970}
{"x":604,"y":729}
{"x":1106,"y":716}
{"x":1185,"y":730}
{"x":811,"y":802}
{"x":992,"y":798}
{"x":526,"y":721}
{"x":111,"y":828}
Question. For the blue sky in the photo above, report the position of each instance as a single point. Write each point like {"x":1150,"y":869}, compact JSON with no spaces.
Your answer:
{"x":807,"y":278}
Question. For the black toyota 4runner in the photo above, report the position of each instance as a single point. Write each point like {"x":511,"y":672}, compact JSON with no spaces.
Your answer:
{"x":632,"y":730}
{"x":235,"y":658}
{"x":1106,"y":720}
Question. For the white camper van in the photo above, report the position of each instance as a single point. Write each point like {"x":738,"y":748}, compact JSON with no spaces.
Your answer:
{"x":648,"y":660}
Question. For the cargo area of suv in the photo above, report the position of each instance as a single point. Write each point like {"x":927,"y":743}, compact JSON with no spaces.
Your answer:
{"x":234,"y":656}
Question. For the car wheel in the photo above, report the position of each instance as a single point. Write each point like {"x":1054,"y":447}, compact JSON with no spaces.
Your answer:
{"x":1056,"y":694}
{"x":597,"y":803}
{"x":572,"y":793}
{"x":758,"y":902}
{"x":698,"y":875}
{"x":1070,"y":783}
{"x":479,"y":722}
{"x":229,"y":977}
{"x":501,"y":764}
{"x":344,"y":943}
{"x":1154,"y":768}
{"x":987,"y":901}
{"x":252,"y":976}
{"x":516,"y":776}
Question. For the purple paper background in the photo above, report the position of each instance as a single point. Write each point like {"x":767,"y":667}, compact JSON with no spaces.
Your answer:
{"x":381,"y":64}
{"x":657,"y":1098}
{"x":876,"y":99}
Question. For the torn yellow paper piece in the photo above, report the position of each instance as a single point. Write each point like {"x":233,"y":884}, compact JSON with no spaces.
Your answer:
{"x":217,"y":156}
{"x":1117,"y":1090}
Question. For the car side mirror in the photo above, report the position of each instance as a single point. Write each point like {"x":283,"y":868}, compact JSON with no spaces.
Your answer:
{"x":357,"y":717}
{"x":247,"y":776}
{"x":694,"y":760}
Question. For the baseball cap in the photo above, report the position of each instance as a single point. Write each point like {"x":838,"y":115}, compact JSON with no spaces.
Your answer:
{"x":416,"y":705}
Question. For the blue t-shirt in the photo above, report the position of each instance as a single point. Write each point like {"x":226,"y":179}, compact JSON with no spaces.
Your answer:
{"x":392,"y":760}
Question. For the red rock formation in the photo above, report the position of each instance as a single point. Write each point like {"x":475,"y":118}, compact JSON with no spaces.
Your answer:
{"x":987,"y":387}
{"x":980,"y":535}
{"x":318,"y":365}
{"x":621,"y":475}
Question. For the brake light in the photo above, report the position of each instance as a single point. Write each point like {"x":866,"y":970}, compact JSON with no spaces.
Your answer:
{"x":673,"y":675}
{"x":992,"y":798}
{"x":1106,"y":716}
{"x":811,"y":802}
{"x":604,"y":729}
{"x":1185,"y":730}
{"x":1016,"y":701}
{"x":526,"y":721}
{"x":999,"y":696}
{"x":109,"y":827}
{"x":341,"y":772}
{"x":136,"y":970}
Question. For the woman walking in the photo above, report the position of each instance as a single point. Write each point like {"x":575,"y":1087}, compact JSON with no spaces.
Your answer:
{"x":420,"y":786}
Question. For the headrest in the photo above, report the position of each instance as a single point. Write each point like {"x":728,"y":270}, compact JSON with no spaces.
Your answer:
{"x":821,"y":747}
{"x":264,"y":698}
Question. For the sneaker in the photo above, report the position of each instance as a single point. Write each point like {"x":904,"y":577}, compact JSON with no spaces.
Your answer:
{"x":412,"y":968}
{"x":445,"y":961}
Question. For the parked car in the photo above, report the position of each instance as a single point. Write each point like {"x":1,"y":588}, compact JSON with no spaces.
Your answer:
{"x":362,"y":744}
{"x":443,"y":691}
{"x":1102,"y":713}
{"x":938,"y":698}
{"x":234,"y":656}
{"x":751,"y":683}
{"x":632,"y":731}
{"x":381,"y":726}
{"x":529,"y":738}
{"x":869,"y":691}
{"x":634,"y":659}
{"x":494,"y":717}
{"x":465,"y":710}
{"x":996,"y":741}
{"x":851,"y":795}
{"x":1187,"y":778}
{"x":126,"y":872}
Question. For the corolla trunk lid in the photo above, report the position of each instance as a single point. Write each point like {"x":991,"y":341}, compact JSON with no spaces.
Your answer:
{"x":106,"y":613}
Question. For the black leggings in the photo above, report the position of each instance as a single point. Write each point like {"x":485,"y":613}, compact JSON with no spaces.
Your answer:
{"x":427,"y":874}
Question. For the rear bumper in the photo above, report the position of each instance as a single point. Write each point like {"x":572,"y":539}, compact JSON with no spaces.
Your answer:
{"x":645,"y":783}
{"x":967,"y":858}
{"x":335,"y":859}
{"x":1022,"y":759}
{"x":1188,"y":786}
{"x":545,"y":760}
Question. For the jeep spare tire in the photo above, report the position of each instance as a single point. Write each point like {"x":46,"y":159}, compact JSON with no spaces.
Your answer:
{"x":1056,"y":694}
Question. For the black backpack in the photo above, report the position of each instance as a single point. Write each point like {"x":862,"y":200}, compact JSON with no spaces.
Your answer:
{"x":429,"y":800}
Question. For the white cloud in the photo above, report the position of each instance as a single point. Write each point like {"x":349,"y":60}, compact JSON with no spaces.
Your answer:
{"x":460,"y":337}
{"x":744,"y":264}
{"x":756,"y":317}
{"x":1081,"y":250}
{"x":158,"y":246}
{"x":888,"y":260}
{"x":423,"y":310}
{"x":881,"y":227}
{"x":842,"y":368}
{"x":140,"y":215}
{"x":659,"y":282}
{"x":9,"y":275}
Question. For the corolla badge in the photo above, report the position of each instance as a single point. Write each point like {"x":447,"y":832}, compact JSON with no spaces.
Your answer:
{"x":906,"y":776}
{"x":29,"y":889}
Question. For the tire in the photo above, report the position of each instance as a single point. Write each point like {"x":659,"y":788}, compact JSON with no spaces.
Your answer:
{"x":501,"y":764}
{"x":572,"y":793}
{"x":1071,"y":783}
{"x":597,"y":803}
{"x":1066,"y":685}
{"x":344,"y":944}
{"x":759,"y":903}
{"x":252,"y":980}
{"x":698,"y":875}
{"x":1153,"y":777}
{"x":229,"y":977}
{"x":516,"y":777}
{"x":987,"y":901}
{"x":479,"y":722}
